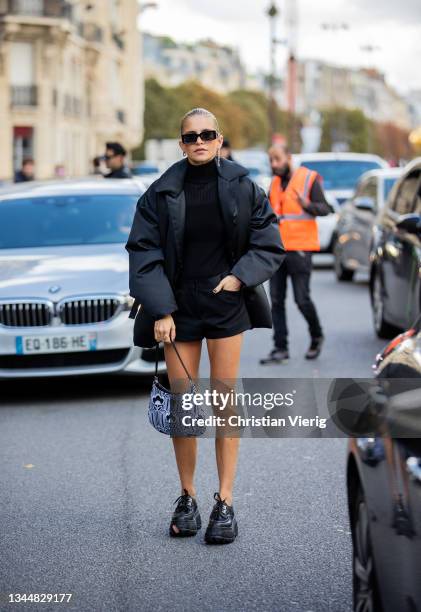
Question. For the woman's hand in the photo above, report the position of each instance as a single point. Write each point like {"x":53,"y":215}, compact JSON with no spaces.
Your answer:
{"x":229,"y":283}
{"x":165,"y":329}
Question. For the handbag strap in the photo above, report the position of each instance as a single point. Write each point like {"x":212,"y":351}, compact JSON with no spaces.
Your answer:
{"x":178,"y":355}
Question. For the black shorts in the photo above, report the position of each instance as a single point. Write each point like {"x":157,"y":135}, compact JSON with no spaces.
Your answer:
{"x":204,"y":314}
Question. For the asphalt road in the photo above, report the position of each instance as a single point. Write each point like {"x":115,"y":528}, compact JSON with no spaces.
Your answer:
{"x":87,"y":490}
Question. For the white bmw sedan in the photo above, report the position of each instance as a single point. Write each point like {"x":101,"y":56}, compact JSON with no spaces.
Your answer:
{"x":64,"y":296}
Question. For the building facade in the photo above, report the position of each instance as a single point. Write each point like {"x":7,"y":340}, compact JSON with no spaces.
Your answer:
{"x":70,"y":79}
{"x":322,"y":86}
{"x":172,"y":63}
{"x":414,"y":102}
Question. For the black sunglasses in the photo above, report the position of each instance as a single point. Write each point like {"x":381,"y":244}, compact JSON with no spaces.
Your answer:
{"x":206,"y":136}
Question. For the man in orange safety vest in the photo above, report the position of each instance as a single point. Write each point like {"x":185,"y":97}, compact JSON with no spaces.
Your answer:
{"x":297,"y":197}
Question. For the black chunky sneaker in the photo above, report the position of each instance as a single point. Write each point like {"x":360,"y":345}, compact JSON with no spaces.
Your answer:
{"x":186,"y":518}
{"x":222,"y":528}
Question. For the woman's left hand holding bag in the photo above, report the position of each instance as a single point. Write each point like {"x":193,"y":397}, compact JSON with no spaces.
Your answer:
{"x":165,"y":329}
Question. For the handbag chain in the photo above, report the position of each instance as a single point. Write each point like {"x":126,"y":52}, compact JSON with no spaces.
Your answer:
{"x":178,"y":355}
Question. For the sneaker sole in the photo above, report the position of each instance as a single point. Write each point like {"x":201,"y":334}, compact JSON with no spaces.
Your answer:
{"x":221,"y":536}
{"x":186,"y":528}
{"x":274,"y":362}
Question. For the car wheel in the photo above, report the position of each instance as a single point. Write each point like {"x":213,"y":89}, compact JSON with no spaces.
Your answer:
{"x":383,"y":328}
{"x":342,"y":274}
{"x":365,"y":589}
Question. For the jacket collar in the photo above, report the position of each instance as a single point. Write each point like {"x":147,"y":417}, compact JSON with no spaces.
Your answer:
{"x":172,"y":180}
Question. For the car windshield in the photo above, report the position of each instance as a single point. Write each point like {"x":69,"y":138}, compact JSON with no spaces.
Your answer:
{"x":254,"y":172}
{"x":387,"y":186}
{"x":66,"y":220}
{"x":340,"y":174}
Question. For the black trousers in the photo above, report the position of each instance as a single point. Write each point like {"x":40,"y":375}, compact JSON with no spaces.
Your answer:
{"x":297,"y":265}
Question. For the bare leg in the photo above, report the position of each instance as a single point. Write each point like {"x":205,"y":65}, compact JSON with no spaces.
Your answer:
{"x":224,"y":356}
{"x":185,"y":448}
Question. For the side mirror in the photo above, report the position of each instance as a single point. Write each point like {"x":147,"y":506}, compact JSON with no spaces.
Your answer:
{"x":410,"y":223}
{"x":365,"y":203}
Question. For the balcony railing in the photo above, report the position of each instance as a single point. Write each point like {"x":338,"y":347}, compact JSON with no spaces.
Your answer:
{"x":23,"y":95}
{"x":37,"y":8}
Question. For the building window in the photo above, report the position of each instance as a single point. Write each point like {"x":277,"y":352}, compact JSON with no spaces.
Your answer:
{"x":21,"y":63}
{"x":121,"y":116}
{"x":34,"y":8}
{"x":23,"y":144}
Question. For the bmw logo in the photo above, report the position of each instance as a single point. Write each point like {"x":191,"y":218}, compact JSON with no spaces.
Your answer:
{"x":54,"y":289}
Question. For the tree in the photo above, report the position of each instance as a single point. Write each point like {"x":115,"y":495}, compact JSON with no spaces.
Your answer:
{"x":349,"y":128}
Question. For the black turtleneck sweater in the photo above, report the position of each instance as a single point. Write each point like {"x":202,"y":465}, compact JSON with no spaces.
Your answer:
{"x":204,"y":231}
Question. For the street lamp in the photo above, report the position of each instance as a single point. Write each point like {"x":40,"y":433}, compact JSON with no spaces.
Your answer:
{"x":272,"y":13}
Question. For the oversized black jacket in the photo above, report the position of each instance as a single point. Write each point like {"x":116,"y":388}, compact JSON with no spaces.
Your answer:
{"x":155,"y":243}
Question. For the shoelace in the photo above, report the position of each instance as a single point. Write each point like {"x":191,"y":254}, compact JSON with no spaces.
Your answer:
{"x":221,"y":505}
{"x":183,"y":501}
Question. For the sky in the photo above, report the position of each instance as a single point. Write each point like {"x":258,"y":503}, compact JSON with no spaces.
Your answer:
{"x":392,"y":27}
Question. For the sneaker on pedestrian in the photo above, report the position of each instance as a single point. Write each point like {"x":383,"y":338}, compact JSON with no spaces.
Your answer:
{"x":222,"y":528}
{"x":315,"y":348}
{"x":276,"y":356}
{"x":186,"y":519}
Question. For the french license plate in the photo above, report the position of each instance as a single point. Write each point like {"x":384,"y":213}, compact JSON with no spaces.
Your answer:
{"x":55,"y":344}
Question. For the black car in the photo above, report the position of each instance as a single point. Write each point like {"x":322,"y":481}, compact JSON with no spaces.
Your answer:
{"x":352,"y":237}
{"x":384,"y":487}
{"x":395,"y":257}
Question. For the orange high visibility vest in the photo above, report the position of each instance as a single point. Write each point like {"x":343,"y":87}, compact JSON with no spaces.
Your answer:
{"x":299,"y":231}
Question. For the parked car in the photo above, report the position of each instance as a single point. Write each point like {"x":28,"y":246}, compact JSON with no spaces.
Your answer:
{"x":352,"y":239}
{"x":144,"y":168}
{"x":384,"y":485}
{"x":64,"y":291}
{"x":257,"y":163}
{"x":395,"y":256}
{"x":340,"y":173}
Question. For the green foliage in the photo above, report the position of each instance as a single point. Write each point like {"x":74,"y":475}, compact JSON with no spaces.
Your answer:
{"x":341,"y":125}
{"x":255,"y":127}
{"x":243,"y":117}
{"x":242,"y":114}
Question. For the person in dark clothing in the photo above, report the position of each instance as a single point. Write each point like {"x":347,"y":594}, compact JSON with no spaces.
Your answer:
{"x":297,"y":197}
{"x":226,"y":151}
{"x":26,"y":173}
{"x":96,"y":164}
{"x":114,"y":160}
{"x":202,"y":235}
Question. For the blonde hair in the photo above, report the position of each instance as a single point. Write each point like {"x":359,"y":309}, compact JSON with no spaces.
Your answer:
{"x":199,"y":111}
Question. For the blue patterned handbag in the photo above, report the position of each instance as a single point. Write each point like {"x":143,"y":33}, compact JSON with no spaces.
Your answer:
{"x":166,"y":410}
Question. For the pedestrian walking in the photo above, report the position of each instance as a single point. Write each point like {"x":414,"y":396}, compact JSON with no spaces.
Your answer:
{"x":203,"y":235}
{"x":114,"y":157}
{"x":26,"y":173}
{"x":297,"y":197}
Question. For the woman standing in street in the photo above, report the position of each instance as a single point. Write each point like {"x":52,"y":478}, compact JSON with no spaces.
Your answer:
{"x":203,"y":238}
